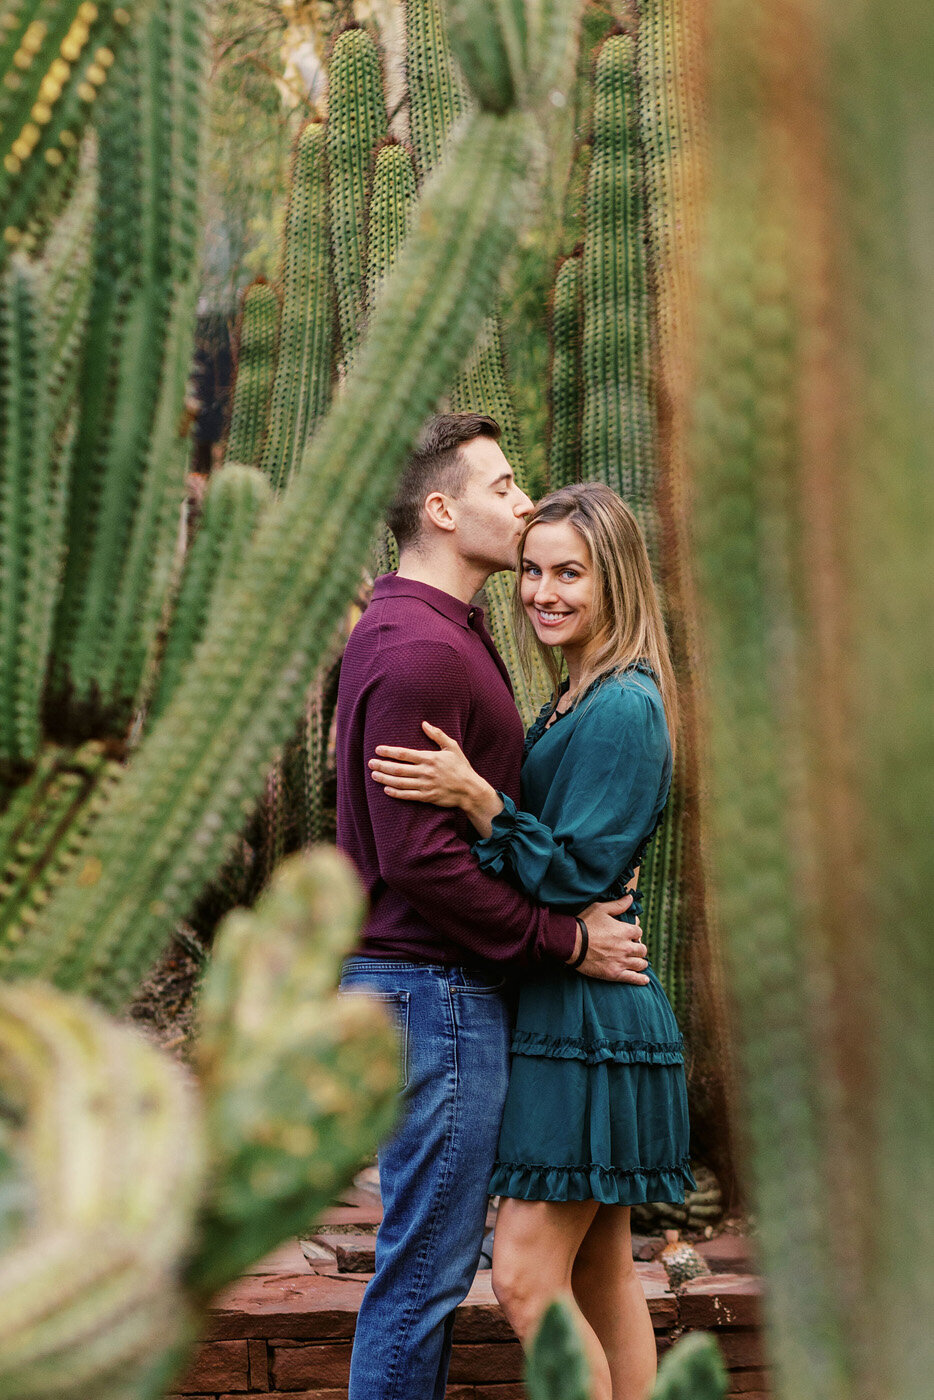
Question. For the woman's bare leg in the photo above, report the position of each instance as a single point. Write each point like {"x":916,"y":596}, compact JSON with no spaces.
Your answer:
{"x":609,"y":1294}
{"x":533,"y":1257}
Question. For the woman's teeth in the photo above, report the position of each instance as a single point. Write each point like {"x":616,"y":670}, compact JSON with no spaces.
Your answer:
{"x":550,"y":619}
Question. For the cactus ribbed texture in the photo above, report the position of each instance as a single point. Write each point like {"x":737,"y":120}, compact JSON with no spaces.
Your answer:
{"x":617,"y":439}
{"x":302,"y":385}
{"x":316,"y":730}
{"x":481,"y":387}
{"x":184,"y":796}
{"x":299,"y":1083}
{"x":43,"y":829}
{"x":814,"y":520}
{"x":556,"y":1367}
{"x":233,"y":504}
{"x":257,"y":344}
{"x":391,"y":206}
{"x":66,"y":266}
{"x":55,"y":56}
{"x":566,"y":389}
{"x":692,"y":1370}
{"x":438,"y":97}
{"x":90,"y":1303}
{"x":26,"y":511}
{"x":356,"y":123}
{"x":129,"y":460}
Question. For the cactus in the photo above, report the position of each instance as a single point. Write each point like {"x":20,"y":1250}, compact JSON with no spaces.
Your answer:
{"x":391,"y":205}
{"x":129,"y":461}
{"x":302,"y":386}
{"x":257,"y":346}
{"x":556,"y":1367}
{"x":233,"y":504}
{"x":146,"y":1196}
{"x":617,"y":439}
{"x":566,"y":394}
{"x":55,"y":57}
{"x":356,"y":123}
{"x":692,"y":1370}
{"x":437,"y":95}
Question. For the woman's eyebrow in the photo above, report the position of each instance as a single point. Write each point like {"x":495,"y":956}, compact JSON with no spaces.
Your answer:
{"x":568,"y":563}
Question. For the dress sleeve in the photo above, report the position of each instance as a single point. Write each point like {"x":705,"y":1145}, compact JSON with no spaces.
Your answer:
{"x":602,"y":802}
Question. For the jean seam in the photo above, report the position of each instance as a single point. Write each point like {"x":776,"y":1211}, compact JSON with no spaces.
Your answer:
{"x":440,"y":1195}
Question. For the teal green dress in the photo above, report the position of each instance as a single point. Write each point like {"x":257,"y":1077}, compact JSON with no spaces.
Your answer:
{"x":597,"y":1104}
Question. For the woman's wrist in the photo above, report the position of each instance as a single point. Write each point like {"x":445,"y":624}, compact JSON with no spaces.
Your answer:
{"x":481,"y":804}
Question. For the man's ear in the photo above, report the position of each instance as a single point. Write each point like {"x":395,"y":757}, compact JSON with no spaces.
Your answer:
{"x":438,"y":510}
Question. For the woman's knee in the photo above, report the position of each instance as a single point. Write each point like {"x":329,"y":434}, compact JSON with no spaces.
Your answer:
{"x":519,"y":1293}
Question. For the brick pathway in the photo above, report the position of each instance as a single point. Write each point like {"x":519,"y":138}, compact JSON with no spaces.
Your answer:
{"x":285,"y":1330}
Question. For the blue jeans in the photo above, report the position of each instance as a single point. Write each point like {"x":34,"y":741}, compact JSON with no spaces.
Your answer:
{"x":434,"y":1171}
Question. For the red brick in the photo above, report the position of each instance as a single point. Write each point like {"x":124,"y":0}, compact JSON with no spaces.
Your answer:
{"x":189,"y":1397}
{"x":287,"y":1259}
{"x":663,"y":1306}
{"x":218,"y":1366}
{"x":303,"y":1306}
{"x":369,"y":1214}
{"x":742,"y":1349}
{"x":356,"y":1254}
{"x":259,"y":1365}
{"x":728,"y":1254}
{"x":721,"y":1300}
{"x":479,"y":1317}
{"x":298,"y":1367}
{"x":340,"y":1394}
{"x":481,"y":1362}
{"x":460,"y":1392}
{"x":744,"y":1382}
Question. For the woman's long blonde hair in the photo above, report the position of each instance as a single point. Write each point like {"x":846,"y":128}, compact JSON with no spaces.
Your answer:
{"x":627,"y":617}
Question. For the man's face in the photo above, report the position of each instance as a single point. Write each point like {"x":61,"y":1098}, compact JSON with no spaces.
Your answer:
{"x":490,"y":512}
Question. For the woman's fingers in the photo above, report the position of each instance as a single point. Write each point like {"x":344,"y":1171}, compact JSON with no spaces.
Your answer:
{"x":443,"y":740}
{"x":404,"y":755}
{"x":400,"y":770}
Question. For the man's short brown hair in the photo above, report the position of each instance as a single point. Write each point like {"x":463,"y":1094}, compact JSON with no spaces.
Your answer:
{"x":435,"y":465}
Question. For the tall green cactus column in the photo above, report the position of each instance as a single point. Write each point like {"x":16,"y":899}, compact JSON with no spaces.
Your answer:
{"x":257,"y":352}
{"x":438,"y":97}
{"x":566,"y":388}
{"x":304,"y":375}
{"x":356,"y":124}
{"x":129,"y":459}
{"x":618,"y":431}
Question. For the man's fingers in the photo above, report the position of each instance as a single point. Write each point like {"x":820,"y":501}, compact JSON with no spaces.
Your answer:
{"x":403,"y":755}
{"x":443,"y":740}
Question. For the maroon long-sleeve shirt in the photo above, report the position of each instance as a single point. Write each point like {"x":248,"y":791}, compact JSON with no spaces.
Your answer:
{"x":418,"y":653}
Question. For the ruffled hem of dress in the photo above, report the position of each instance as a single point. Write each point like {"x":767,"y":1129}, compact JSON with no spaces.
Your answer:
{"x":598,"y":1051}
{"x":614,"y":1186}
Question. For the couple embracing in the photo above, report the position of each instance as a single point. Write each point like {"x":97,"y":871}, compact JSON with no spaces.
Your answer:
{"x":503,"y":914}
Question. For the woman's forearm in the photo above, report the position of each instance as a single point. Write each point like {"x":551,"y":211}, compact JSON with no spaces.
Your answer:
{"x":481,"y":803}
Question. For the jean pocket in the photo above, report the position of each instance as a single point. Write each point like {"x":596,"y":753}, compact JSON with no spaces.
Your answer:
{"x":479,"y":986}
{"x":397,"y":1005}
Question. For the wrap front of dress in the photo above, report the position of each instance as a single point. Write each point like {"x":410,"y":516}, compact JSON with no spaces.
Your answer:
{"x":597,"y":1102}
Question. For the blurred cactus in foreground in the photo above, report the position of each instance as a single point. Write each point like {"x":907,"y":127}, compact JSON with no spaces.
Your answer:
{"x":556,"y":1366}
{"x":814,"y":527}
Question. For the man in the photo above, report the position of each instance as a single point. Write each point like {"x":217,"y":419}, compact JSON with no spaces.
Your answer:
{"x":441,"y":933}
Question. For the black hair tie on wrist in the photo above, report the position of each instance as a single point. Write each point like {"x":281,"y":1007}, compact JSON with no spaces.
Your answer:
{"x":585,"y":943}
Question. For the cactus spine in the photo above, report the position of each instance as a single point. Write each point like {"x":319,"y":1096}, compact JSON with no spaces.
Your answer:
{"x":356,"y":122}
{"x":257,"y":344}
{"x":302,"y":385}
{"x":566,"y":389}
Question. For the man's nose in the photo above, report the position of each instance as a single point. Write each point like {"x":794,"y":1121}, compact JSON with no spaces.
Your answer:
{"x":523,"y":506}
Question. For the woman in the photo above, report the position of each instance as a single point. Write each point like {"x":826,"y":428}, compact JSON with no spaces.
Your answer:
{"x":596,"y":1114}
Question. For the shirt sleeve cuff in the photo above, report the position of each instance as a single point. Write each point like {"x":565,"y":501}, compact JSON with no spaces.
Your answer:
{"x":491,"y":850}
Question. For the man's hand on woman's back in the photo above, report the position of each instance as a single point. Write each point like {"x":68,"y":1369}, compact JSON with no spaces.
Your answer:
{"x":615,"y":951}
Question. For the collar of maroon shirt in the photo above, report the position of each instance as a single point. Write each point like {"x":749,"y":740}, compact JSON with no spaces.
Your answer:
{"x":466,"y":615}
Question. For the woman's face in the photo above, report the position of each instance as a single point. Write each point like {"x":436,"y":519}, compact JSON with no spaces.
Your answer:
{"x":557,"y":585}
